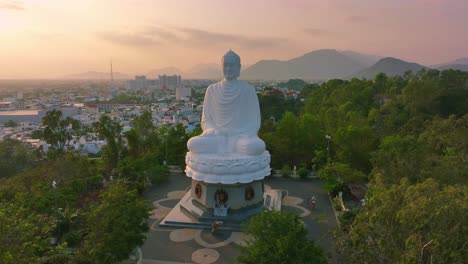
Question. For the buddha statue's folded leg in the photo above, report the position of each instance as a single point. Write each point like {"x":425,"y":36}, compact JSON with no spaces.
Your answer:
{"x":250,"y":145}
{"x":203,"y":144}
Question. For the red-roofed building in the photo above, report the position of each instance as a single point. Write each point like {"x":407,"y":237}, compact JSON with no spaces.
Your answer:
{"x":273,"y":91}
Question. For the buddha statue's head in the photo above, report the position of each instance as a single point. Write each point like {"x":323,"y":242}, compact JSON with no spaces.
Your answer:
{"x":231,"y":65}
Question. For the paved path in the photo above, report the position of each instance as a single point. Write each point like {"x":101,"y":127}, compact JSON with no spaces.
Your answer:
{"x":174,"y":245}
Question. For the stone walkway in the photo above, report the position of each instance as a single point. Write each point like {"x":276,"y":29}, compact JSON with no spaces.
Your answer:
{"x":186,"y":245}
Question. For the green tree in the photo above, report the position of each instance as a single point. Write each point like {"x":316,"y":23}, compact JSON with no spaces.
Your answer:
{"x":143,"y":171}
{"x":142,"y":135}
{"x":10,"y":123}
{"x":111,"y":131}
{"x":115,"y":227}
{"x":354,"y":146}
{"x":420,"y":96}
{"x":282,"y":142}
{"x":66,"y":221}
{"x":337,"y":175}
{"x":75,"y":176}
{"x":399,"y":157}
{"x":308,"y":89}
{"x":174,"y":141}
{"x":279,"y":237}
{"x":421,"y":223}
{"x":293,"y":84}
{"x":439,"y":152}
{"x":58,"y":132}
{"x":24,"y":235}
{"x":294,"y":140}
{"x":274,"y":106}
{"x":15,"y":156}
{"x":37,"y":134}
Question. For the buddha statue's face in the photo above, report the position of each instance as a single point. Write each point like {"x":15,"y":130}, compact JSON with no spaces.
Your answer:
{"x":231,"y":65}
{"x":231,"y":69}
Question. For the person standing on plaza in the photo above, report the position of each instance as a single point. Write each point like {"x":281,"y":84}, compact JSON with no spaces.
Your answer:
{"x":313,"y":200}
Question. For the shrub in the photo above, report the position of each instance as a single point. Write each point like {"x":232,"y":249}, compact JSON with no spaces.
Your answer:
{"x":286,"y":171}
{"x":337,"y":207}
{"x":72,"y":238}
{"x":303,"y":172}
{"x":348,"y":217}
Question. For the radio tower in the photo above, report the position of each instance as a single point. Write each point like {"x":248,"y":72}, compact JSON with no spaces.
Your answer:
{"x":112,"y":86}
{"x":112,"y":73}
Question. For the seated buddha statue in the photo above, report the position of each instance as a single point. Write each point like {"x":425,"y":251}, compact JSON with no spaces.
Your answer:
{"x":231,"y":115}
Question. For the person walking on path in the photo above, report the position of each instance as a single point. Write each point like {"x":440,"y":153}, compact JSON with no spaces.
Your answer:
{"x":313,"y":202}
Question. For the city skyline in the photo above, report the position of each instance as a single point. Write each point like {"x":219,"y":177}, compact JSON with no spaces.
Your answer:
{"x":50,"y":39}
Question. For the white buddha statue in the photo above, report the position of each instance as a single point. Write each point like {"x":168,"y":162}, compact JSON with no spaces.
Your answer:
{"x":231,"y":115}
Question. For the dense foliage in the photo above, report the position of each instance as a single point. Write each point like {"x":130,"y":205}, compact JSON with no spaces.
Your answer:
{"x":114,"y":226}
{"x":69,"y":208}
{"x":58,"y":132}
{"x":406,"y":138}
{"x":293,"y":84}
{"x":279,"y":237}
{"x":14,"y":157}
{"x":406,"y":223}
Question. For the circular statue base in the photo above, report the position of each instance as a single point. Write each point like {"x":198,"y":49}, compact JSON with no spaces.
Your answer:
{"x":227,"y":169}
{"x":227,"y":187}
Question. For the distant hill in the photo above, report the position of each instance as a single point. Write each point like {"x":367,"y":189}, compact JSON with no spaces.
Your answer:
{"x":366,"y":59}
{"x":463,"y":61}
{"x":460,"y":64}
{"x":92,"y":75}
{"x":460,"y":61}
{"x":204,"y":71}
{"x":389,"y":66}
{"x":316,"y":65}
{"x":460,"y":67}
{"x":153,"y":74}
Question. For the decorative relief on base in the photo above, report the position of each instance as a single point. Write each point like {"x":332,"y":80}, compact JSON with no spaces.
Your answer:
{"x":249,"y":193}
{"x":221,"y":197}
{"x":198,"y":190}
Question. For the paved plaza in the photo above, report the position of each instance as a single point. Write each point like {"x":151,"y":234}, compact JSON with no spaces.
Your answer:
{"x":186,"y":245}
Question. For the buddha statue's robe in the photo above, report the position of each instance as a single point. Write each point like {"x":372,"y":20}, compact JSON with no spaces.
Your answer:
{"x":230,"y":120}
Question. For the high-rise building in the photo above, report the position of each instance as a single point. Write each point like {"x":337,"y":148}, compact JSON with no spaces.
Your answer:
{"x":170,"y":82}
{"x":138,"y":83}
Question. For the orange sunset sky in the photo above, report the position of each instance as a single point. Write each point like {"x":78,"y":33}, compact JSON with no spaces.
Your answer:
{"x":53,"y":38}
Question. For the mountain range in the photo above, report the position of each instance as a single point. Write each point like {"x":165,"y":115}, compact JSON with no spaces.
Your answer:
{"x":389,"y":66}
{"x":320,"y":64}
{"x":316,"y":65}
{"x":329,"y":63}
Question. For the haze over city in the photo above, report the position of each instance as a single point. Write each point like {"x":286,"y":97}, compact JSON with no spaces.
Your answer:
{"x":51,"y":39}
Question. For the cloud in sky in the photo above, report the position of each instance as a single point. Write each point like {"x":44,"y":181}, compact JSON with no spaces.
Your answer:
{"x":187,"y":36}
{"x":11,"y":5}
{"x":163,"y":34}
{"x":204,"y":37}
{"x":317,"y":32}
{"x":127,"y":39}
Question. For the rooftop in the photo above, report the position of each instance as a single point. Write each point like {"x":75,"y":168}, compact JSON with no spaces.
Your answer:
{"x":19,"y":112}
